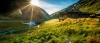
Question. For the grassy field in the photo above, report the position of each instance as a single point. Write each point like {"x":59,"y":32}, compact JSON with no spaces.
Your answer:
{"x":81,"y":30}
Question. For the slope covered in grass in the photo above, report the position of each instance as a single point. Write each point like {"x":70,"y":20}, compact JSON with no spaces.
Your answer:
{"x":89,"y":6}
{"x":81,"y":30}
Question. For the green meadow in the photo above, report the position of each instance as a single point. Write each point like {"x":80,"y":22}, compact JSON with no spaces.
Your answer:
{"x":80,"y":30}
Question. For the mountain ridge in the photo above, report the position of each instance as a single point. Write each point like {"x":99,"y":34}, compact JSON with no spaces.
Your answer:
{"x":90,"y":6}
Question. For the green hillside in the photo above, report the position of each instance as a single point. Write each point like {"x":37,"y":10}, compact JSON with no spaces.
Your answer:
{"x":82,"y":30}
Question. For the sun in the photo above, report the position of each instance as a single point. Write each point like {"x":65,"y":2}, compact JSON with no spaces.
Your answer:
{"x":35,"y":2}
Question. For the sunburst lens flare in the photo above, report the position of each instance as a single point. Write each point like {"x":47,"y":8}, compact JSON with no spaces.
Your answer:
{"x":35,"y":2}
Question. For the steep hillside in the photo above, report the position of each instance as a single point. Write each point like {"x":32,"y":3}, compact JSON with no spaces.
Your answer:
{"x":34,"y":13}
{"x":29,"y":13}
{"x":17,"y":9}
{"x":91,"y":6}
{"x":11,"y":5}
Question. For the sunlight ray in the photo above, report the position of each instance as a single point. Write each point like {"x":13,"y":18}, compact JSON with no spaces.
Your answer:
{"x":42,"y":12}
{"x":25,"y":6}
{"x":29,"y":7}
{"x":31,"y":15}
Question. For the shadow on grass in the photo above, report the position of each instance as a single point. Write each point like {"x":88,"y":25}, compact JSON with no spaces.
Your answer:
{"x":11,"y":30}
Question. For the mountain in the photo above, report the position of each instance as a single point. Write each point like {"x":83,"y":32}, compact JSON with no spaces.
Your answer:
{"x":90,"y":6}
{"x":7,"y":6}
{"x":29,"y":13}
{"x":18,"y":9}
{"x":34,"y":13}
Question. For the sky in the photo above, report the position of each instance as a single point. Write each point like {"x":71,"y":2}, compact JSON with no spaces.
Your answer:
{"x":51,"y":6}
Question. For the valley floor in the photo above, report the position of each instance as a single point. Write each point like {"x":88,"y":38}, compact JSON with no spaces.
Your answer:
{"x":81,"y":30}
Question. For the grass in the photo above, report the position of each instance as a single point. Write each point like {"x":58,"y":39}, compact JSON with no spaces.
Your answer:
{"x":81,"y":30}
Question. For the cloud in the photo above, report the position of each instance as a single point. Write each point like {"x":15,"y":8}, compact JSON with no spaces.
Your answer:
{"x":50,"y":8}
